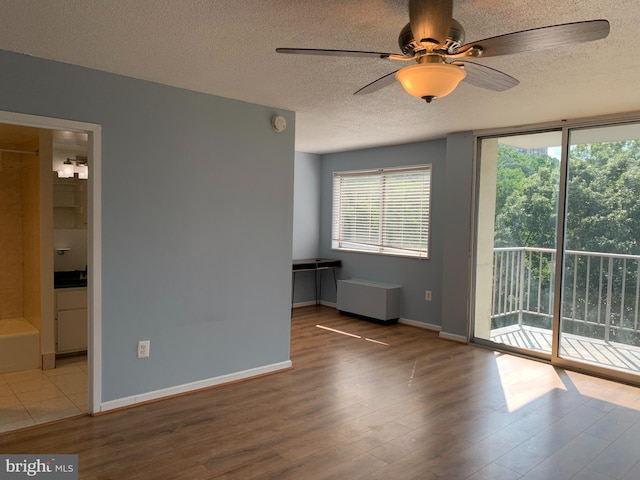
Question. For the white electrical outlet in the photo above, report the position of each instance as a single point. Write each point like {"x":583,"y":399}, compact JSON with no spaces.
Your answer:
{"x":427,"y":295}
{"x":143,"y":348}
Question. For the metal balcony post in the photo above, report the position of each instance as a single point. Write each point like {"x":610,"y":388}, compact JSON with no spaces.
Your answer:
{"x":521,"y":289}
{"x":607,"y":320}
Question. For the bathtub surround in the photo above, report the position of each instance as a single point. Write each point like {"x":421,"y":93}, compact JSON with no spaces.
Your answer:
{"x":11,"y":245}
{"x":26,"y":262}
{"x":20,"y":293}
{"x":19,"y":345}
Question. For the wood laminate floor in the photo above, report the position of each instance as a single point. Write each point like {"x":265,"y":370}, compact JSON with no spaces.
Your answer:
{"x":367,"y":402}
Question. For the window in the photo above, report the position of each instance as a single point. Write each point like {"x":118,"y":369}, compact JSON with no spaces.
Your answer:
{"x":385,"y":211}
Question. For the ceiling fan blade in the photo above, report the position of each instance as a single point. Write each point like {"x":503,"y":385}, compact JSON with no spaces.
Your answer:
{"x":486,"y":77}
{"x":430,"y":19}
{"x":378,"y":84}
{"x":333,"y":53}
{"x":541,"y":38}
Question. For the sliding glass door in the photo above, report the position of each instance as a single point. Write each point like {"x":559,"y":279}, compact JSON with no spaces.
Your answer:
{"x":599,"y":322}
{"x":516,"y":240}
{"x":558,"y":246}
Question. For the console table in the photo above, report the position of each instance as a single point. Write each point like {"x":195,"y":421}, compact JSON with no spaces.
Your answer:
{"x":318,"y":266}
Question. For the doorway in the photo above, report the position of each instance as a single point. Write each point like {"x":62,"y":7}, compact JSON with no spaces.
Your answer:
{"x":79,"y":370}
{"x":558,"y":247}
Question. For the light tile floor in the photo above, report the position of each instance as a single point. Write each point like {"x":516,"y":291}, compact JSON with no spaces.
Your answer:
{"x":39,"y":396}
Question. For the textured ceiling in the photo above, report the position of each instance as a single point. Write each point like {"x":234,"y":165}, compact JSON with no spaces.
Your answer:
{"x":227,"y":48}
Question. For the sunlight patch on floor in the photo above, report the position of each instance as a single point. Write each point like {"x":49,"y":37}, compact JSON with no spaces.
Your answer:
{"x":376,"y":341}
{"x":525,"y":381}
{"x":338,"y":331}
{"x":341,"y":332}
{"x":616,"y":393}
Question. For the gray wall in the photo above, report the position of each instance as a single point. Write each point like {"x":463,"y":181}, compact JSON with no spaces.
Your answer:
{"x":197,"y":208}
{"x":414,"y":275}
{"x":306,"y":206}
{"x":457,"y":234}
{"x":306,"y":220}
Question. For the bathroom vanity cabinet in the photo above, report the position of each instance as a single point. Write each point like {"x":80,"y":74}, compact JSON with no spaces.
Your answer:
{"x":71,"y":320}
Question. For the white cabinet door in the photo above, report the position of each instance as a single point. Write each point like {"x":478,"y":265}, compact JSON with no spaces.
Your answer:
{"x":71,"y":298}
{"x":72,"y":330}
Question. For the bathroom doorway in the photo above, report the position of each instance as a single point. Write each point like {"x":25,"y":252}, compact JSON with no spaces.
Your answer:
{"x":47,"y":320}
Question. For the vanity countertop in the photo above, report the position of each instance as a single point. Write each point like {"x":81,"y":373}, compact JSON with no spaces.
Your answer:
{"x":70,"y":279}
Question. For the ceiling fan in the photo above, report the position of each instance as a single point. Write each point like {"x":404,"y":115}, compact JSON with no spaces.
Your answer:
{"x":433,"y":39}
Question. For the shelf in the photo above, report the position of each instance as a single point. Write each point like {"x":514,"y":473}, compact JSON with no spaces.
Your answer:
{"x":69,"y":204}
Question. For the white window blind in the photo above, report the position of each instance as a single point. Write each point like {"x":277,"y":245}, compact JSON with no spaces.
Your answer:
{"x":383,"y":211}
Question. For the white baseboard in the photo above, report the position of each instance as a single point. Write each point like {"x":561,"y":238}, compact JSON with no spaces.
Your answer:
{"x":312,"y":303}
{"x":415,"y":323}
{"x":189,"y":387}
{"x":454,"y":337}
{"x":303,"y":304}
{"x":435,"y":328}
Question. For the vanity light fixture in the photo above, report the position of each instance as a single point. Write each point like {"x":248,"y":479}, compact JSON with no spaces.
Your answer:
{"x":82,"y":170}
{"x":72,"y":166}
{"x":67,"y":169}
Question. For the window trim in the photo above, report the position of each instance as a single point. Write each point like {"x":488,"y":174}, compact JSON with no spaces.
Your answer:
{"x":379,"y":248}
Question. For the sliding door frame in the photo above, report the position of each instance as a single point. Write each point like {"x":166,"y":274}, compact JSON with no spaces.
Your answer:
{"x":564,"y":126}
{"x":561,"y":211}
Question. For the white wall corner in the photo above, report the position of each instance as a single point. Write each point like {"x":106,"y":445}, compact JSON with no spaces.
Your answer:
{"x":304,"y":304}
{"x":329,"y":304}
{"x":453,"y":337}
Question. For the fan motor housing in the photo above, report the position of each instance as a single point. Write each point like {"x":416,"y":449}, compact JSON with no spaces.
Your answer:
{"x":409,"y":46}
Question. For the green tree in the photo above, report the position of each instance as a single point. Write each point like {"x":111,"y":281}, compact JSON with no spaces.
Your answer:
{"x":526,"y":199}
{"x":603,"y":209}
{"x":602,"y":216}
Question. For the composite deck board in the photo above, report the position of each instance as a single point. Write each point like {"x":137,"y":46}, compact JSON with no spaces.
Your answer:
{"x":584,"y":349}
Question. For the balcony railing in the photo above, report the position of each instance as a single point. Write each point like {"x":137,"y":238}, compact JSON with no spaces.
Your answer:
{"x":600,"y":296}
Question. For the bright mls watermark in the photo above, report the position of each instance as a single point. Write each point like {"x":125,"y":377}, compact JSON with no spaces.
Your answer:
{"x":51,"y":467}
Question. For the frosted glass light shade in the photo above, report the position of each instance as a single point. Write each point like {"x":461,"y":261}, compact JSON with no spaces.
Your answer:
{"x":66,"y":171}
{"x":83,"y":171}
{"x":429,"y":80}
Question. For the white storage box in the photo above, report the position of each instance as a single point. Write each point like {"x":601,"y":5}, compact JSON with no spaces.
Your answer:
{"x":369,"y":300}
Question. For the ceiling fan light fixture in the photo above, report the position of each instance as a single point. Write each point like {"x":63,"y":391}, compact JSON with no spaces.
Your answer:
{"x":430,"y":80}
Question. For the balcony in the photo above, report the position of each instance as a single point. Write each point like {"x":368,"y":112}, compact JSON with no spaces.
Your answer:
{"x":599,"y":312}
